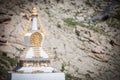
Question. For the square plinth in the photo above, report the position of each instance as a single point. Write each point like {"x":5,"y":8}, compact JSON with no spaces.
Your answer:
{"x":35,"y":76}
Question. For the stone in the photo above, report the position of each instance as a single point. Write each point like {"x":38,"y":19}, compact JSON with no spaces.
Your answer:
{"x":4,"y":19}
{"x":36,"y":76}
{"x":80,"y":18}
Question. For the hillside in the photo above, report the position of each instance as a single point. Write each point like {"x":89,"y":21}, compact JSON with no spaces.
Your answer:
{"x":86,"y":46}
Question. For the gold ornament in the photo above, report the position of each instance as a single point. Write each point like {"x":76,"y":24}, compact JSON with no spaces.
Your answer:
{"x":34,"y":11}
{"x":36,"y":39}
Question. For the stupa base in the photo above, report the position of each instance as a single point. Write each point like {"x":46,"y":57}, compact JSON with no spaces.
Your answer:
{"x":35,"y":76}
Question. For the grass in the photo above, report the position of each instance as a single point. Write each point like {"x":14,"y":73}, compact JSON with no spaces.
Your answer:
{"x":117,"y":16}
{"x":18,"y":49}
{"x":3,"y":71}
{"x":63,"y":68}
{"x":87,"y":2}
{"x":72,"y":23}
{"x":113,"y":23}
{"x":77,"y":32}
{"x":95,"y":29}
{"x":68,"y":76}
{"x":11,"y":60}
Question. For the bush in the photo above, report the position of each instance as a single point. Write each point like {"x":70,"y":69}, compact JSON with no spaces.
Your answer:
{"x":71,"y":22}
{"x":68,"y":76}
{"x":77,"y":32}
{"x":63,"y":68}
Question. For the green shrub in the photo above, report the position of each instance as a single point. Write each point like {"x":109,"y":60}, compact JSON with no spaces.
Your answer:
{"x":3,"y":70}
{"x":77,"y":32}
{"x":68,"y":76}
{"x":63,"y":68}
{"x":11,"y":60}
{"x":87,"y":2}
{"x":71,"y":22}
{"x":117,"y":16}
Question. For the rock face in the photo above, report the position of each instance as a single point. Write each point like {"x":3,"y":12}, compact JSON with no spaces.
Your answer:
{"x":85,"y":51}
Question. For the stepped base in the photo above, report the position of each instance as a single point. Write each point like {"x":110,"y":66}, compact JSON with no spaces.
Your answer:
{"x":35,"y":76}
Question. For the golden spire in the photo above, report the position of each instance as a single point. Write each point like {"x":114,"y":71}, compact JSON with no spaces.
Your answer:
{"x":34,"y":11}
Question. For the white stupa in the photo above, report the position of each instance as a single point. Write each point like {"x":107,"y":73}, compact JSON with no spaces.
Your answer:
{"x":34,"y":62}
{"x":34,"y":58}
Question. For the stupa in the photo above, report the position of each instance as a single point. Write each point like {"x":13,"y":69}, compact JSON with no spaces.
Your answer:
{"x":34,"y":62}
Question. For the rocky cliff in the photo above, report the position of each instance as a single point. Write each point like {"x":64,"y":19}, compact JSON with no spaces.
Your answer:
{"x":84,"y":49}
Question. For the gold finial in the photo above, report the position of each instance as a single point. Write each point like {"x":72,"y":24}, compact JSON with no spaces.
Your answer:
{"x":34,"y":11}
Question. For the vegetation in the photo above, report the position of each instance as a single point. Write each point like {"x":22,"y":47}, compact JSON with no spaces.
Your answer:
{"x":72,"y":23}
{"x":87,"y":2}
{"x":63,"y":68}
{"x":95,"y":29}
{"x":19,"y":49}
{"x":11,"y":60}
{"x":5,"y":63}
{"x":117,"y":16}
{"x":112,"y":22}
{"x":3,"y":73}
{"x":68,"y":76}
{"x":77,"y":32}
